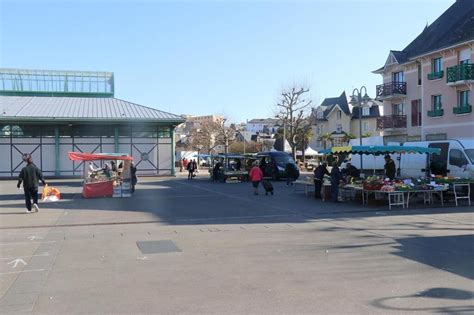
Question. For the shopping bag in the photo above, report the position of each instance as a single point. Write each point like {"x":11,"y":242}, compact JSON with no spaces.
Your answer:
{"x":50,"y":194}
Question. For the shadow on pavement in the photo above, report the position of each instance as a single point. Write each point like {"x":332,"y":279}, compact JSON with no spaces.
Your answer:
{"x":181,"y":202}
{"x":406,"y":303}
{"x":454,"y":253}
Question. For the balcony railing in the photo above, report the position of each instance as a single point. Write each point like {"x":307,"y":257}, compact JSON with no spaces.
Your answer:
{"x":391,"y":88}
{"x":460,"y":73}
{"x":390,"y":122}
{"x":435,"y":75}
{"x":436,"y":112}
{"x":465,"y":109}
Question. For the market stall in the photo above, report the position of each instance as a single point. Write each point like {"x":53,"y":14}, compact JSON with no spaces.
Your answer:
{"x":224,"y":167}
{"x":104,"y":174}
{"x":398,"y":191}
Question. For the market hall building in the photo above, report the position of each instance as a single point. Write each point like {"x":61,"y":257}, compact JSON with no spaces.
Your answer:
{"x":50,"y":113}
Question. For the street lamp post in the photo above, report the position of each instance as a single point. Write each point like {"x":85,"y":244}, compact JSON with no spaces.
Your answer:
{"x":359,"y":101}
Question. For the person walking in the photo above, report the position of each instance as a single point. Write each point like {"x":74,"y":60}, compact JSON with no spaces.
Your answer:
{"x":30,"y":176}
{"x":195,"y":168}
{"x":181,"y":164}
{"x":335,"y":179}
{"x":389,"y":167}
{"x":190,"y":170}
{"x":133,"y":173}
{"x":290,"y":170}
{"x":319,"y":173}
{"x":256,"y":176}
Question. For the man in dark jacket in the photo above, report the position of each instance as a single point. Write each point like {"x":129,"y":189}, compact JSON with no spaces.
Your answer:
{"x":335,"y":179}
{"x":30,"y":176}
{"x":389,"y":167}
{"x":133,"y":173}
{"x":319,"y":173}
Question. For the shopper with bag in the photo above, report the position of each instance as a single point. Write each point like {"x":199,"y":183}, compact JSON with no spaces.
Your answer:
{"x":30,"y":176}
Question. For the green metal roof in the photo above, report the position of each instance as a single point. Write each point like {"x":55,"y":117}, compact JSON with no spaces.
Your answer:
{"x":84,"y":109}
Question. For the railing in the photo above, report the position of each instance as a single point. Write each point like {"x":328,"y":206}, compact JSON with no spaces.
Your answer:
{"x":465,"y":109}
{"x":390,"y":122}
{"x":435,"y":75}
{"x":460,"y":73}
{"x":436,"y":112}
{"x":391,"y":88}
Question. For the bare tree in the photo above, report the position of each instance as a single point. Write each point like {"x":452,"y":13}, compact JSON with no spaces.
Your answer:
{"x":203,"y":138}
{"x":224,"y":134}
{"x":292,"y":109}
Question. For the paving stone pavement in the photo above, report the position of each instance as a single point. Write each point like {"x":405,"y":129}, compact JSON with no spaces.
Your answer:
{"x":239,"y":253}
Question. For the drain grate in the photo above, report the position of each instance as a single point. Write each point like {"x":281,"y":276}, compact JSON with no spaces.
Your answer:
{"x":157,"y":247}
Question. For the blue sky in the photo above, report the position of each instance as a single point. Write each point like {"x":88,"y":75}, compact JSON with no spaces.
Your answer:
{"x":224,"y":57}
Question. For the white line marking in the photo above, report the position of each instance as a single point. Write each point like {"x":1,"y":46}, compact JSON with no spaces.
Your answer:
{"x":31,"y":270}
{"x":34,"y":237}
{"x":25,"y":243}
{"x":15,"y":262}
{"x":39,"y":255}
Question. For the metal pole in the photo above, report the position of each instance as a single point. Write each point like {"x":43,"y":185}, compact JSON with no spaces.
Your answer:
{"x":284,"y":135}
{"x":360,"y":132}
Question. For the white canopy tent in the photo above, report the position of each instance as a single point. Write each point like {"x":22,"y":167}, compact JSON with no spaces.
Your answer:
{"x":308,"y":152}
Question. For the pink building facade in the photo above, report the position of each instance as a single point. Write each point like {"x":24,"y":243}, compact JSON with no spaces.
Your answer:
{"x":427,"y":87}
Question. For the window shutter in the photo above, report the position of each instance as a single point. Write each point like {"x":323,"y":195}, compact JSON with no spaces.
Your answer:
{"x":414,"y":113}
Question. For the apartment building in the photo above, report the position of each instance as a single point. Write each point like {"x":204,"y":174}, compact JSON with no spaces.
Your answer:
{"x":427,"y":87}
{"x":334,"y":122}
{"x":263,"y":125}
{"x":197,"y":121}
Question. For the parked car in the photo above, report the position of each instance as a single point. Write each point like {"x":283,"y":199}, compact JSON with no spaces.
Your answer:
{"x":273,"y":164}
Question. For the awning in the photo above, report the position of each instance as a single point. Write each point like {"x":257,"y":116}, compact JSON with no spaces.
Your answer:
{"x":380,"y":149}
{"x":79,"y":156}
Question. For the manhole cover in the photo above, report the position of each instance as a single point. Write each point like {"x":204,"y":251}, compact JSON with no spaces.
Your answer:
{"x":157,"y":247}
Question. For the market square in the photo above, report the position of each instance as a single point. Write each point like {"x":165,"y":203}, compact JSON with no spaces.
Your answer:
{"x":284,"y":253}
{"x":236,"y":157}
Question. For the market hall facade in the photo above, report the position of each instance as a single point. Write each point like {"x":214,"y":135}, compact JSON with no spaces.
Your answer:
{"x":50,"y":113}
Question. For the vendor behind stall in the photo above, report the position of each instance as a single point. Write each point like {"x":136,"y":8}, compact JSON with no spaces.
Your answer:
{"x":352,"y":171}
{"x":319,"y":173}
{"x":389,"y":167}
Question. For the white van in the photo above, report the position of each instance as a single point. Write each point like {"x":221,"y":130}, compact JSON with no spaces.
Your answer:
{"x":456,"y":159}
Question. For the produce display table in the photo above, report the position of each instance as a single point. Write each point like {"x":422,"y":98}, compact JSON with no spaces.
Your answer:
{"x":427,"y":195}
{"x":456,"y":191}
{"x":308,"y":185}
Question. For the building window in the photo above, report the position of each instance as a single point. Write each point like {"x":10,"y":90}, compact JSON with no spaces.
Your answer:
{"x":437,"y":65}
{"x":144,"y":131}
{"x":464,"y":56}
{"x":398,"y":77}
{"x":419,"y":73}
{"x":416,"y":113}
{"x":365,"y":127}
{"x":319,"y":115}
{"x":398,"y":109}
{"x":338,"y":114}
{"x":365,"y":111}
{"x":436,"y":102}
{"x":436,"y":136}
{"x":463,"y":98}
{"x":339,"y":128}
{"x":164,"y":132}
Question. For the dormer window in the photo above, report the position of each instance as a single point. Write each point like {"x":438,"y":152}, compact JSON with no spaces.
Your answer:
{"x":365,"y":111}
{"x":320,"y":114}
